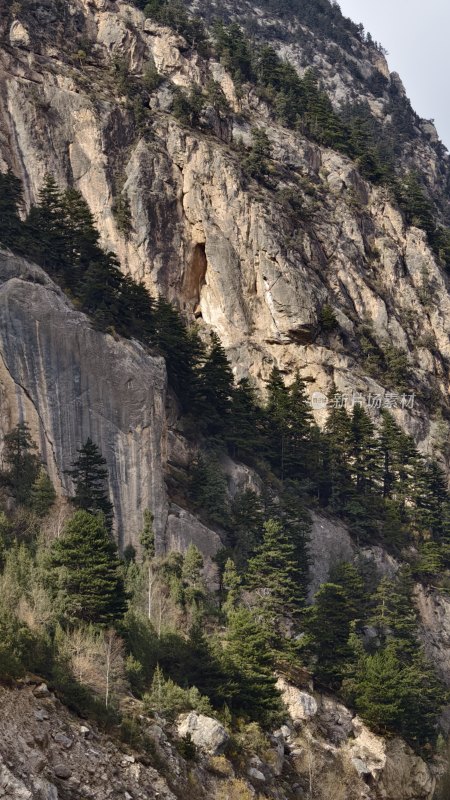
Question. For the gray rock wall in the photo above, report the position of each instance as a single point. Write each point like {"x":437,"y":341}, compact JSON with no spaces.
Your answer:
{"x":70,"y":382}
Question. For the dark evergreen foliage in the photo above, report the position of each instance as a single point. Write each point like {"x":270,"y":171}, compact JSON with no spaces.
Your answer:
{"x":85,"y":572}
{"x":22,"y":463}
{"x":249,"y":660}
{"x":89,"y":475}
{"x":328,"y":624}
{"x":274,"y":570}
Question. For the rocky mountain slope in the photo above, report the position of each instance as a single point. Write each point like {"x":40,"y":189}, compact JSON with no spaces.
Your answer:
{"x":88,"y":93}
{"x":230,"y":256}
{"x":46,"y":753}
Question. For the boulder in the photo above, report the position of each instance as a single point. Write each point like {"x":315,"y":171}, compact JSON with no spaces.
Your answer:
{"x":256,"y":775}
{"x":406,"y":776}
{"x":300,"y":705}
{"x":62,"y":771}
{"x":62,"y":739}
{"x":335,"y":719}
{"x":41,"y":691}
{"x":206,"y":733}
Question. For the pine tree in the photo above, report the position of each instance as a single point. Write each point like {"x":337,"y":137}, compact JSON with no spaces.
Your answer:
{"x":192,"y":575}
{"x":82,"y":236}
{"x":11,"y":200}
{"x":136,"y":310}
{"x":232,"y":584}
{"x":393,"y":614}
{"x":328,"y":624}
{"x":43,"y":494}
{"x":207,"y":489}
{"x":274,"y":570}
{"x":246,"y":525}
{"x":277,"y":408}
{"x":47,"y":223}
{"x":248,"y":659}
{"x":256,"y":163}
{"x":377,"y":689}
{"x":397,"y":697}
{"x":300,"y":453}
{"x":147,"y":570}
{"x":296,"y":520}
{"x":246,"y":431}
{"x":337,"y":488}
{"x":431,"y":561}
{"x":431,"y":500}
{"x":364,"y":507}
{"x":364,"y":452}
{"x":401,"y":465}
{"x":201,"y":664}
{"x":234,"y":51}
{"x":182,"y":350}
{"x":100,"y":292}
{"x":147,"y":537}
{"x":349,"y":577}
{"x":215,"y":390}
{"x":85,"y":572}
{"x":21,"y":461}
{"x":89,"y":474}
{"x":415,"y":204}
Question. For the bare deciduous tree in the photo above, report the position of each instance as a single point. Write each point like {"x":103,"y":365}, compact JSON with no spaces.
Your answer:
{"x":97,"y":660}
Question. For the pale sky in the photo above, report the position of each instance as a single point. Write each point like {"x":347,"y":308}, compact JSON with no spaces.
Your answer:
{"x":417,"y":36}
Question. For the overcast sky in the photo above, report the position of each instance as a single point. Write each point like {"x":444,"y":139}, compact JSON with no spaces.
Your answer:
{"x":416,"y":35}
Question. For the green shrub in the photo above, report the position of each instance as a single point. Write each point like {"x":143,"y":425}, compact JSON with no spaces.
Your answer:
{"x":327,"y":319}
{"x":168,"y":699}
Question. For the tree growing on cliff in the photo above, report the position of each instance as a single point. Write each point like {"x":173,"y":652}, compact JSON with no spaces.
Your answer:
{"x":274,"y":571}
{"x":249,"y":663}
{"x":11,"y":228}
{"x":43,"y":494}
{"x":328,"y":624}
{"x":22,"y":463}
{"x":396,"y":697}
{"x":85,"y":572}
{"x":215,"y":390}
{"x":89,"y":474}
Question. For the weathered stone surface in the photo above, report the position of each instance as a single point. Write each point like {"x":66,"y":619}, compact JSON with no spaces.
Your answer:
{"x":406,"y":776}
{"x":62,"y":771}
{"x":330,"y":544}
{"x":206,"y":733}
{"x":87,"y":769}
{"x":260,"y":287}
{"x":335,"y":719}
{"x":10,"y":786}
{"x":232,"y":258}
{"x":41,"y":690}
{"x":300,"y":705}
{"x":18,"y":34}
{"x":69,"y":382}
{"x":256,"y":775}
{"x":434,"y":612}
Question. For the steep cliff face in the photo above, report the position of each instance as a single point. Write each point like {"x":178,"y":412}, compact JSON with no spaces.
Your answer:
{"x":230,"y":254}
{"x":70,"y":382}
